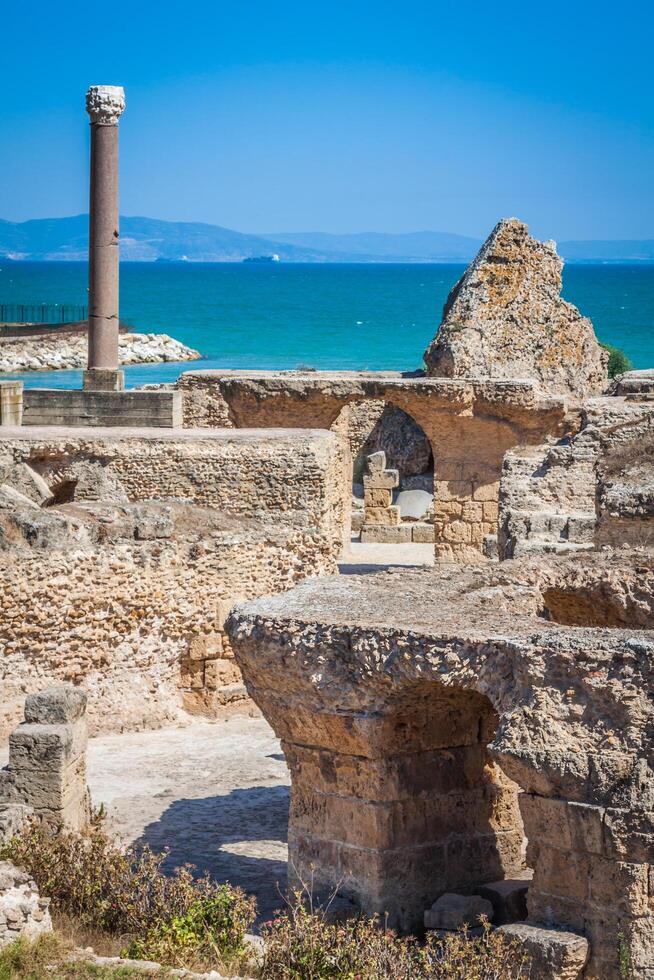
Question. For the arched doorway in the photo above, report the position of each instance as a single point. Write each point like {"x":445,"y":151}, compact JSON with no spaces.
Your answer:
{"x":401,"y":511}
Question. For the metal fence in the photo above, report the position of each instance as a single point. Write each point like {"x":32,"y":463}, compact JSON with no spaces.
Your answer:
{"x":42,"y":313}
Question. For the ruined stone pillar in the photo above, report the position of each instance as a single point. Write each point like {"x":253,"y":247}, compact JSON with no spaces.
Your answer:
{"x":46,"y":774}
{"x":104,"y":104}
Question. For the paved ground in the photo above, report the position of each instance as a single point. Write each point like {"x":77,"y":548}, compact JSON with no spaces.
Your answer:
{"x":215,"y":794}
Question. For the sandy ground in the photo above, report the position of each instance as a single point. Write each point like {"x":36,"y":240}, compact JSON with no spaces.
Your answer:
{"x":361,"y":558}
{"x":214,"y":794}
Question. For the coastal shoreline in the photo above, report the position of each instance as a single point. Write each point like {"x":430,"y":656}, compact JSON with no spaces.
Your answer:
{"x":69,"y":352}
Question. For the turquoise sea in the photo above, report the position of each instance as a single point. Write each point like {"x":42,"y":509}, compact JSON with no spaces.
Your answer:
{"x":371,"y":317}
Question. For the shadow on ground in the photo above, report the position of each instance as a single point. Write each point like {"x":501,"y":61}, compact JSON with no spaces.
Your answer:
{"x":239,"y":837}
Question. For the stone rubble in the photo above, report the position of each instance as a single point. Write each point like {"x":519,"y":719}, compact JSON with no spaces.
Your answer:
{"x":554,"y":954}
{"x":451,"y":912}
{"x":22,"y":910}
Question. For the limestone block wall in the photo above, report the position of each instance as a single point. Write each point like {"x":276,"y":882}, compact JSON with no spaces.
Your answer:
{"x":590,"y":489}
{"x":625,"y":485}
{"x":292,"y":475}
{"x":127,"y":598}
{"x":469,"y":423}
{"x":547,"y":497}
{"x":139,"y":624}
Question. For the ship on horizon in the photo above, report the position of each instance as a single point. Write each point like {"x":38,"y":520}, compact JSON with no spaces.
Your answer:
{"x":262,"y":259}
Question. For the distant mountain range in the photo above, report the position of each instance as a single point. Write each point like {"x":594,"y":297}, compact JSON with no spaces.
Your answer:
{"x":151,"y":240}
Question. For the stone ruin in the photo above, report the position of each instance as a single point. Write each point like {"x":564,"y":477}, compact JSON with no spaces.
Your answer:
{"x":46,"y":773}
{"x":460,"y":736}
{"x":122,"y":554}
{"x":446,"y":730}
{"x":480,"y":732}
{"x":45,"y":780}
{"x":505,"y":318}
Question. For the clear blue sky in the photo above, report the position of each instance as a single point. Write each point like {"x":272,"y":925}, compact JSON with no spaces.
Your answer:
{"x":384,"y":116}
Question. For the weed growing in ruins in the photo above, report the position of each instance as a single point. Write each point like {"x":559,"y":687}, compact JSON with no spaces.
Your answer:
{"x":125,"y":892}
{"x":624,"y":957}
{"x":212,"y":930}
{"x":303,"y":944}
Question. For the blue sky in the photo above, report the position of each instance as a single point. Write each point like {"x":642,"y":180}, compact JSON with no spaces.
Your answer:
{"x":283,"y":116}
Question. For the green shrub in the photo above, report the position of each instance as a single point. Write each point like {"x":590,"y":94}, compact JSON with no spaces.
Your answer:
{"x":124,"y":892}
{"x":302,"y":944}
{"x":211,"y":930}
{"x":618,"y":361}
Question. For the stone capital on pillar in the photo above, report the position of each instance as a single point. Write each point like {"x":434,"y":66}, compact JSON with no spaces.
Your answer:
{"x":105,"y":104}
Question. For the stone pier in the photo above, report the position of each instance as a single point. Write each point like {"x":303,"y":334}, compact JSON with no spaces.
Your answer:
{"x":105,"y":105}
{"x":46,"y":775}
{"x":435,"y":724}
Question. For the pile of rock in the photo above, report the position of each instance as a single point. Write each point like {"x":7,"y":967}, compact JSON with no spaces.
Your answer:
{"x":22,"y":910}
{"x":68,"y":352}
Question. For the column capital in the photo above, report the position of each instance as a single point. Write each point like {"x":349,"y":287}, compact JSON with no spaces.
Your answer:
{"x":105,"y":104}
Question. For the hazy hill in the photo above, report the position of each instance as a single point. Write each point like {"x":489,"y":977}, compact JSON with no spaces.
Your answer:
{"x":142,"y":240}
{"x":149,"y":240}
{"x":616,"y":251}
{"x":440,"y":246}
{"x":434,"y":246}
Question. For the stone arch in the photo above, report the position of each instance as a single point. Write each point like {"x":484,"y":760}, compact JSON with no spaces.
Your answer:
{"x":372,"y":424}
{"x":438,"y":703}
{"x":469,"y":424}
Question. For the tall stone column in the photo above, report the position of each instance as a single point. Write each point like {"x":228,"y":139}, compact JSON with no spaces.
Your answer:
{"x":105,"y":105}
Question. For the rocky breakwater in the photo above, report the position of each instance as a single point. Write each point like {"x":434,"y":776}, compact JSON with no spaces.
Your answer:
{"x":63,"y":352}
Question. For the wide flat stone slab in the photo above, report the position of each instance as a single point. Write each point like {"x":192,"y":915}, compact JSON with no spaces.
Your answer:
{"x":473,"y":603}
{"x":37,"y":433}
{"x":504,"y":395}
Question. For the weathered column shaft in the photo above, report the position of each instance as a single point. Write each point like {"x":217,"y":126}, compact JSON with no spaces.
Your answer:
{"x":105,"y":104}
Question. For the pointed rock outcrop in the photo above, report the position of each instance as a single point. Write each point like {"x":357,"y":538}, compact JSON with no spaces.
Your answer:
{"x":505,"y":318}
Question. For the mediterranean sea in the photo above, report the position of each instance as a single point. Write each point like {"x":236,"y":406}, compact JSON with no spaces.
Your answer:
{"x":349,"y":317}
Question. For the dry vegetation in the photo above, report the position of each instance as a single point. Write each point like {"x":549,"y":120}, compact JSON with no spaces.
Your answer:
{"x":630,"y":456}
{"x":119,"y":900}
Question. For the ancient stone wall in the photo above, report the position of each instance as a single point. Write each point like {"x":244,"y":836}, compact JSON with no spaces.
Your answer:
{"x":127,"y":599}
{"x":587,"y":490}
{"x":139,"y":623}
{"x":244,"y":474}
{"x":469,"y":425}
